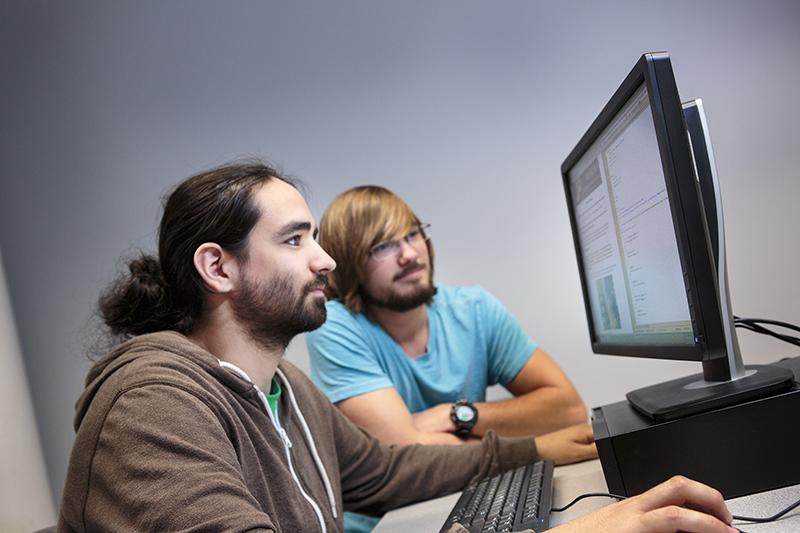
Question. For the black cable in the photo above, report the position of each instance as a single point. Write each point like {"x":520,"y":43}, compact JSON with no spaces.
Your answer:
{"x":754,"y":324}
{"x":618,"y":497}
{"x":587,"y":495}
{"x":769,"y":321}
{"x":758,"y":329}
{"x":769,"y":518}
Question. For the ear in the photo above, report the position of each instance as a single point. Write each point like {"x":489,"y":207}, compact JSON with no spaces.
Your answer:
{"x":218,"y":268}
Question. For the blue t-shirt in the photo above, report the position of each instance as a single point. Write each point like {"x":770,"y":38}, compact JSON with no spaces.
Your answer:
{"x":473,"y":342}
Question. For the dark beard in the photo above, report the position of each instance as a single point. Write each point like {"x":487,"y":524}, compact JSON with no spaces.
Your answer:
{"x":401,"y":303}
{"x":272,"y":315}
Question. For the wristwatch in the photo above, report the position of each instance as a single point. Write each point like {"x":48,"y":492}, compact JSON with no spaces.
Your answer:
{"x":464,"y":415}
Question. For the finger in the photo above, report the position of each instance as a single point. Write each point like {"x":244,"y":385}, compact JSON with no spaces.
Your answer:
{"x":575,"y":453}
{"x":681,"y":491}
{"x":588,"y":436}
{"x":583,"y":433}
{"x":581,"y":452}
{"x":589,"y":451}
{"x":674,"y":518}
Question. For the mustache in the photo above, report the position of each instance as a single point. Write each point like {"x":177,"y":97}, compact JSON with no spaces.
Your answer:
{"x":320,"y":282}
{"x":409,"y":269}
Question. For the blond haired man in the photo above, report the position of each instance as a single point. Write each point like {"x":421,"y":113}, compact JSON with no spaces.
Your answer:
{"x":410,"y":361}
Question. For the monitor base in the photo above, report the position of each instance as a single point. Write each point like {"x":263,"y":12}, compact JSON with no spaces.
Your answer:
{"x":692,"y":394}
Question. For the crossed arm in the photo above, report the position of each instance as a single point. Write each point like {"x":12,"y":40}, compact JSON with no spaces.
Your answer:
{"x":545,"y":401}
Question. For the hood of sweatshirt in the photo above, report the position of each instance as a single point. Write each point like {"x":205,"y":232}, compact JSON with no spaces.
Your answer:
{"x":293,"y":472}
{"x":169,"y":359}
{"x":143,"y":346}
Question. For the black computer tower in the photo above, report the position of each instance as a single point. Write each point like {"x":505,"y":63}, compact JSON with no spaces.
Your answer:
{"x":750,"y":447}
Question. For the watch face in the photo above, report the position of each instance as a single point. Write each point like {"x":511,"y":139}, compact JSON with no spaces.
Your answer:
{"x":464,"y":413}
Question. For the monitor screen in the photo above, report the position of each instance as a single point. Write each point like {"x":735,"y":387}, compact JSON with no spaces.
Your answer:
{"x":647,"y":262}
{"x":639,"y":225}
{"x":627,"y":241}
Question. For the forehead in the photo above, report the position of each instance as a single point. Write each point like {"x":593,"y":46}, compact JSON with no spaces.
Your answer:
{"x":280,"y":204}
{"x":396,"y":221}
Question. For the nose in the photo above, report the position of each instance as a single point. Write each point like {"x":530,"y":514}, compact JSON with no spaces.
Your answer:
{"x":407,"y":252}
{"x":322,"y":262}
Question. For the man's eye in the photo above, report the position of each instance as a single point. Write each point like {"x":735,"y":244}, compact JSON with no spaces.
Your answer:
{"x":381,"y":247}
{"x":293,"y":241}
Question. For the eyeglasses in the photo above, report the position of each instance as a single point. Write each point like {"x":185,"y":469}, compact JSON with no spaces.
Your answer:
{"x":386,"y":249}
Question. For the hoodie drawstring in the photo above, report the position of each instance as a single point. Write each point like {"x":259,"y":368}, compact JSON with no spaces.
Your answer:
{"x":310,"y":441}
{"x":287,"y":443}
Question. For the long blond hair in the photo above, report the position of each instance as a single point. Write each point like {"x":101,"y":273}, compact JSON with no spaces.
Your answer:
{"x":354,"y":222}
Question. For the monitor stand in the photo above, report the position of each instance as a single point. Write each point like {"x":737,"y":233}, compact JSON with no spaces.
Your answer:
{"x":724,"y":381}
{"x":695,"y":394}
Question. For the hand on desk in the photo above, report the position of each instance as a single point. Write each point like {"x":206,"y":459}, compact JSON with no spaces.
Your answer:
{"x":677,"y":504}
{"x":568,"y":445}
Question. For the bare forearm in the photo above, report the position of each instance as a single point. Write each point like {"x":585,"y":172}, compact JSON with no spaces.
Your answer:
{"x":540,"y":411}
{"x":441,"y":438}
{"x":421,"y":437}
{"x":393,"y":424}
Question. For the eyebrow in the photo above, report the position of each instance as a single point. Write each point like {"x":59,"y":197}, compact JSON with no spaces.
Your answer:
{"x":293,"y":227}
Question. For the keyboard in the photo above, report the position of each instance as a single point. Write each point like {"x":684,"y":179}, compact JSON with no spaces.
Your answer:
{"x":512,"y":501}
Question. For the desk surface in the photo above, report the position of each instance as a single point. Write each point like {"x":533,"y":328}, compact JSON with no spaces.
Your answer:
{"x":573,"y":480}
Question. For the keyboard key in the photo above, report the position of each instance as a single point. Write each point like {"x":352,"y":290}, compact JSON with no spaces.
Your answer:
{"x":510,"y":501}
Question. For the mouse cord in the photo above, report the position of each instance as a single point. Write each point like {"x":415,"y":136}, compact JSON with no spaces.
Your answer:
{"x":618,"y":497}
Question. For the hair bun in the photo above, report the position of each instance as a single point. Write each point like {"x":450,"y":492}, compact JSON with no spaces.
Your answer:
{"x":146,"y":271}
{"x":136,"y":303}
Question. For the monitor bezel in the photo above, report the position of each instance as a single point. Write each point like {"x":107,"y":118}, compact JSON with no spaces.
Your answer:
{"x":654,"y":70}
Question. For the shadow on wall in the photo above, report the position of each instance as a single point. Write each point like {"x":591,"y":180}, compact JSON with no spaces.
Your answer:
{"x":25,"y":500}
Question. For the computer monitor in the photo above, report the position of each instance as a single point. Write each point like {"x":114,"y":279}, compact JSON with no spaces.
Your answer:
{"x":653,"y":277}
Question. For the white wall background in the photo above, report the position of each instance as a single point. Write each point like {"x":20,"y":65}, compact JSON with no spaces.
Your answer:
{"x":465,"y":108}
{"x":25,"y":502}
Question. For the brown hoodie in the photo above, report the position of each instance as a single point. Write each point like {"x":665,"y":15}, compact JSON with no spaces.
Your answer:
{"x":168,"y":440}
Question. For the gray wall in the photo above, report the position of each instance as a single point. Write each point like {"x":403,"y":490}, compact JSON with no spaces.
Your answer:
{"x":466,"y":109}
